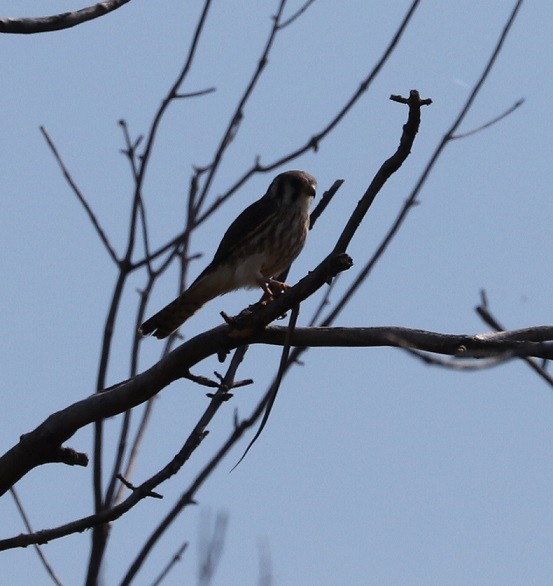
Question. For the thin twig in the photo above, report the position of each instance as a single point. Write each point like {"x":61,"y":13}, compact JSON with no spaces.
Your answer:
{"x":91,"y":215}
{"x":171,"y":564}
{"x":510,"y":110}
{"x":135,"y":448}
{"x":131,"y":153}
{"x":311,"y":144}
{"x":131,"y":486}
{"x":173,"y":94}
{"x":189,"y":446}
{"x":296,"y":14}
{"x":463,"y":364}
{"x":211,"y":548}
{"x":238,"y":114}
{"x":38,"y":549}
{"x":411,"y":201}
{"x":483,"y":311}
{"x":324,"y":201}
{"x":271,"y":394}
{"x":314,"y":141}
{"x":195,"y":94}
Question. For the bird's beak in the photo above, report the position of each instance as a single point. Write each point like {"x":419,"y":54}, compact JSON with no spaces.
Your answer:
{"x":310,"y":190}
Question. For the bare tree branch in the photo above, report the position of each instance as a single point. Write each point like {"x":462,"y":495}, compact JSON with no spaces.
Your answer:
{"x":238,"y":114}
{"x":455,"y":364}
{"x":61,"y":425}
{"x":172,"y":563}
{"x":38,"y":549}
{"x":271,"y":394}
{"x":483,"y":311}
{"x":535,"y":341}
{"x":211,"y":547}
{"x":311,"y":144}
{"x":100,"y":533}
{"x":89,"y":212}
{"x":44,"y":444}
{"x":324,"y":201}
{"x":387,"y":168}
{"x":296,"y":14}
{"x":411,"y":201}
{"x":33,"y":448}
{"x":56,"y":22}
{"x":217,"y":400}
{"x":495,"y":120}
{"x":195,"y":94}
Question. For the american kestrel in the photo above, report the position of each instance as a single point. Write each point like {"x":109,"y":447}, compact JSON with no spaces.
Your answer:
{"x":261,"y":243}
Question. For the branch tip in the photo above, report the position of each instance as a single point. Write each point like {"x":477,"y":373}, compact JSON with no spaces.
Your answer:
{"x":414,"y":99}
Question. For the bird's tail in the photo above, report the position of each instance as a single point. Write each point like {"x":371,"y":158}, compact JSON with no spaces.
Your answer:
{"x":172,"y":316}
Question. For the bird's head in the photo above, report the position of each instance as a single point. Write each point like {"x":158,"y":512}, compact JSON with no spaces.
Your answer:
{"x":293,"y":187}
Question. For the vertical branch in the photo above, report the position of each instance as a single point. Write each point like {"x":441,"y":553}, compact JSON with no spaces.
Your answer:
{"x":238,"y":114}
{"x":172,"y":95}
{"x":100,"y":533}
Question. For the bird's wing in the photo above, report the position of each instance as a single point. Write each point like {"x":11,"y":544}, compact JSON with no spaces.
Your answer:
{"x":247,"y":225}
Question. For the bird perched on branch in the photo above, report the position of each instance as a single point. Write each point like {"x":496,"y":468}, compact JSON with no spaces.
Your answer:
{"x":261,"y":243}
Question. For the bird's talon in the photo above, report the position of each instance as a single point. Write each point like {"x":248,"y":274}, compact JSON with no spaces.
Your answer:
{"x":276,"y":288}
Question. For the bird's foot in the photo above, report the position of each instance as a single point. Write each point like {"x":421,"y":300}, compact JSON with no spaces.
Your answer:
{"x":274,"y":288}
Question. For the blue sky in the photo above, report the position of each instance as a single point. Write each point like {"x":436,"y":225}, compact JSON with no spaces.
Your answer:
{"x":373,"y":469}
